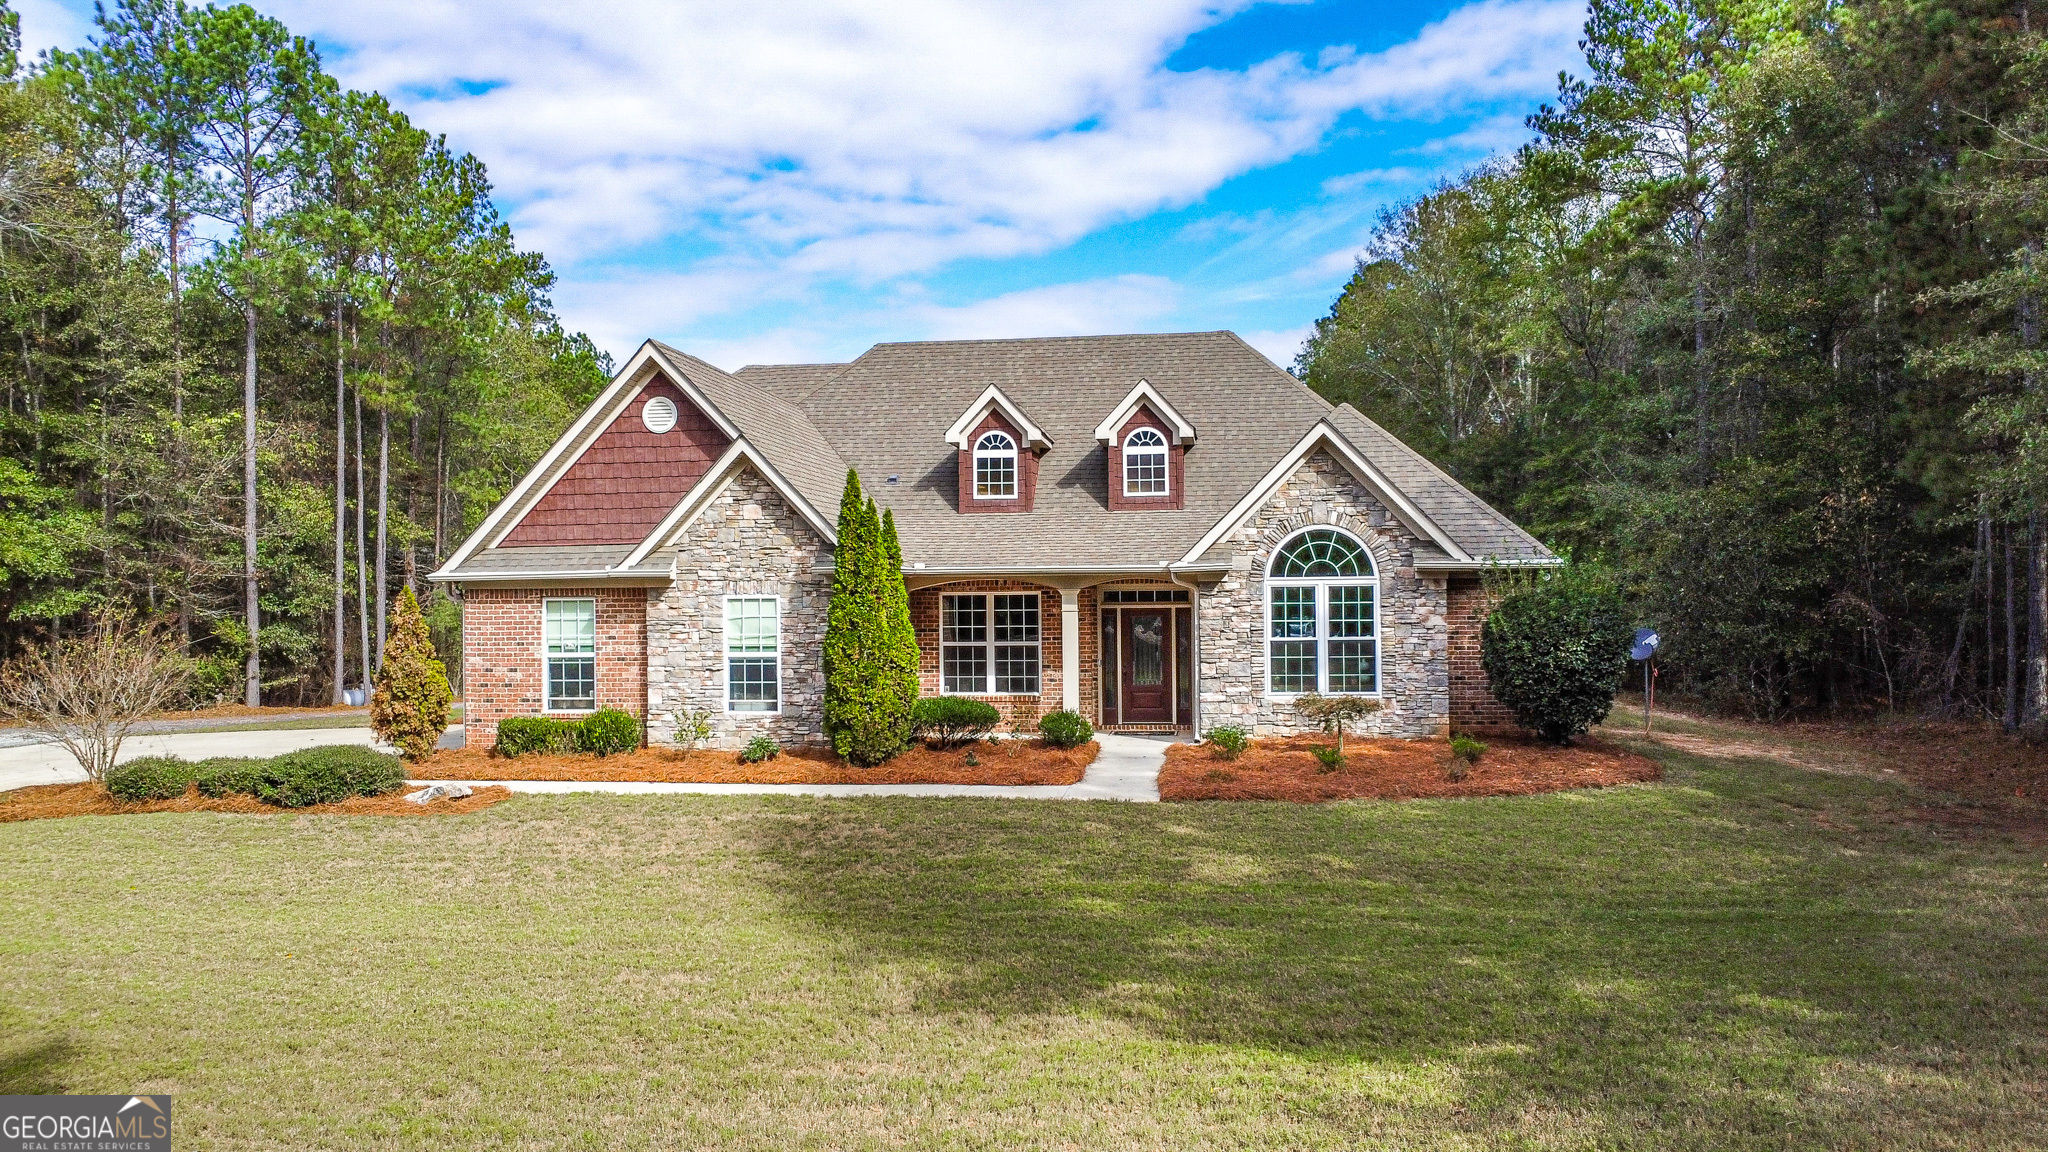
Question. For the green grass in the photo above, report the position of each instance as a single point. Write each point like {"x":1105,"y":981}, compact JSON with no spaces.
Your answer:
{"x":1743,"y":956}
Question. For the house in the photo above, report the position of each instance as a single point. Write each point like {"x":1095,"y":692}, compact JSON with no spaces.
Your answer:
{"x":1162,"y":532}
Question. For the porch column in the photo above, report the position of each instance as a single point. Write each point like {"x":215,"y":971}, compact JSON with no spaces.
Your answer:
{"x":1070,"y":649}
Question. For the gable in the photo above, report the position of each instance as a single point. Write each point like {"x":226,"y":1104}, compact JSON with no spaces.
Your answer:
{"x":628,"y":478}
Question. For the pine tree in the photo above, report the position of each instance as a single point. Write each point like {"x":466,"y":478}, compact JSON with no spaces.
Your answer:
{"x":864,"y":717}
{"x":410,"y":708}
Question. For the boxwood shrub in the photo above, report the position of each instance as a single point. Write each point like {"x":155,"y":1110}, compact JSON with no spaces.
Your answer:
{"x":524,"y":735}
{"x":326,"y":775}
{"x":949,"y":720}
{"x":1065,"y":729}
{"x":227,"y":776}
{"x":1555,"y":653}
{"x":150,"y":778}
{"x":608,"y":731}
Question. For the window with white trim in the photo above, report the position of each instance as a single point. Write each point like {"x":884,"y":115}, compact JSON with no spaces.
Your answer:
{"x":988,"y":645}
{"x":753,"y":654}
{"x":995,"y":467}
{"x":1145,"y":463}
{"x":570,"y":628}
{"x":1322,"y":616}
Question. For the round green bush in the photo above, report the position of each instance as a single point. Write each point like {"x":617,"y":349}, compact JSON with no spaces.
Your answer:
{"x":1228,"y":741}
{"x":1555,"y":653}
{"x":609,"y":731}
{"x":1065,"y":729}
{"x":760,"y":748}
{"x":327,"y":775}
{"x":150,"y":778}
{"x":949,"y":720}
{"x":536,"y":735}
{"x":228,"y":776}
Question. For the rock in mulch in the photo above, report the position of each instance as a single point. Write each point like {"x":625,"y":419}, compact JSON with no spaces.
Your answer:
{"x":433,"y":792}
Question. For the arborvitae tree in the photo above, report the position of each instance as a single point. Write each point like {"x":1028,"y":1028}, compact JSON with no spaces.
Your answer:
{"x":410,"y":708}
{"x":864,"y":715}
{"x":899,"y":658}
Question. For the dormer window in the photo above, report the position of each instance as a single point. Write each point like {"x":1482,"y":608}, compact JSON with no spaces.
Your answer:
{"x":995,"y":467}
{"x":1145,"y":463}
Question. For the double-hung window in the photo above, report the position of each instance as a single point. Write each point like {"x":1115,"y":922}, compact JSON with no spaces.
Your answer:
{"x":753,"y":654}
{"x":988,"y":645}
{"x":1145,"y":463}
{"x":995,"y":467}
{"x":1322,"y":616}
{"x":571,"y":633}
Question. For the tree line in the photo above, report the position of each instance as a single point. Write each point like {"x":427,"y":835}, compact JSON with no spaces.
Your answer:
{"x":1755,"y":322}
{"x":268,"y":351}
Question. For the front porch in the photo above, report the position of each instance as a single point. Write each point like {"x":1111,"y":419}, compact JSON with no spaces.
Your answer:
{"x":1120,"y":651}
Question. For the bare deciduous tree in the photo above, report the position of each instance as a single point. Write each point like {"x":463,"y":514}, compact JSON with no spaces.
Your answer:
{"x":87,"y":692}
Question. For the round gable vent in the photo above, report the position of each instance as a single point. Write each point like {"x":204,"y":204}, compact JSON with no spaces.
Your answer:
{"x":659,"y":414}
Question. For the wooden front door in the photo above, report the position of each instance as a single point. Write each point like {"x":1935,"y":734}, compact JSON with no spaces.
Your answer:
{"x":1145,"y":676}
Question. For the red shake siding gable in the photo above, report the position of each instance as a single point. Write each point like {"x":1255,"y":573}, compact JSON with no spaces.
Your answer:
{"x":1027,"y":469}
{"x":503,"y":661}
{"x":1176,"y":466}
{"x":627,"y":480}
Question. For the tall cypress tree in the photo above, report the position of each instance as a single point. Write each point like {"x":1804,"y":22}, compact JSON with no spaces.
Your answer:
{"x":900,"y":658}
{"x":865,"y":717}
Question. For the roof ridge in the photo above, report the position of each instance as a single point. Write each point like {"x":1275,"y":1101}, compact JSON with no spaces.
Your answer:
{"x":1046,"y":339}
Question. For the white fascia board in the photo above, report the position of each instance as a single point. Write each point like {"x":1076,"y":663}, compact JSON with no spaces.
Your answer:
{"x":1324,"y":433}
{"x":1149,"y":396}
{"x":546,"y":464}
{"x":992,"y":397}
{"x":716,"y":480}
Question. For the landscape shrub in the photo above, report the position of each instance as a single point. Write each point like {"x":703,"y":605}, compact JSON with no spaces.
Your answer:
{"x":327,"y":775}
{"x":1228,"y":741}
{"x":871,"y":653}
{"x":608,"y":731}
{"x":530,"y":735}
{"x":1555,"y":653}
{"x":1465,"y":752}
{"x":150,"y":778}
{"x":227,"y":776}
{"x":950,"y":720}
{"x":693,"y":727}
{"x":1065,"y":729}
{"x":760,"y":748}
{"x":410,"y":707}
{"x":1335,"y":713}
{"x":1330,"y":759}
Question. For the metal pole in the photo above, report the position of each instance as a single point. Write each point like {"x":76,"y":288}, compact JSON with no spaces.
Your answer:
{"x":1646,"y":697}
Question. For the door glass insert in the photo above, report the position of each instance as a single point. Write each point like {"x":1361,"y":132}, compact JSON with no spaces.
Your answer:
{"x":1148,"y":648}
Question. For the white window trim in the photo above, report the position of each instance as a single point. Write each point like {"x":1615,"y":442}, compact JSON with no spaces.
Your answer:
{"x":1165,"y":453}
{"x":547,"y":700}
{"x":725,"y":654}
{"x":1010,"y":453}
{"x":1322,"y":585}
{"x":990,"y":645}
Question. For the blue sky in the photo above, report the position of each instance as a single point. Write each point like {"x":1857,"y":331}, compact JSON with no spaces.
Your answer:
{"x":796,"y":181}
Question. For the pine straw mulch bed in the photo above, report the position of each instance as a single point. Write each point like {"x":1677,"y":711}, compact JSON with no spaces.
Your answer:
{"x":1003,"y":762}
{"x":1282,"y":768}
{"x":56,"y":801}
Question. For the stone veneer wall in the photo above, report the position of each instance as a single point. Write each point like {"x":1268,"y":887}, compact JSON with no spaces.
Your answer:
{"x":1473,"y":708}
{"x":503,"y":657}
{"x":747,"y":541}
{"x":1414,"y":630}
{"x":1018,"y":711}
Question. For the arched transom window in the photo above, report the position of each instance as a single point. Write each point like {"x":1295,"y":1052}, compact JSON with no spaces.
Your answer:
{"x":995,"y":467}
{"x":1145,"y":463}
{"x":1322,"y":614}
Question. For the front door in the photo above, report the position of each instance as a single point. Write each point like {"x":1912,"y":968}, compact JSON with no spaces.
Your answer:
{"x":1146,"y":676}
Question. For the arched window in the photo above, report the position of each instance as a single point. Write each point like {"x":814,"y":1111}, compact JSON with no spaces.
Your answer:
{"x":1322,"y":616}
{"x":995,"y":467}
{"x":1145,"y":463}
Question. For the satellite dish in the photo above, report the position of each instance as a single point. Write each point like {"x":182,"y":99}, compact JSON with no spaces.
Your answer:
{"x":1646,"y":644}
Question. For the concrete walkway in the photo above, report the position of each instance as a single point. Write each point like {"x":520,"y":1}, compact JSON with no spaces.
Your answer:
{"x":1127,"y":769}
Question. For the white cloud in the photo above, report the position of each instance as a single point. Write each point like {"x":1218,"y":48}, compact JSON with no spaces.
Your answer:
{"x":1115,"y":304}
{"x":1280,"y":347}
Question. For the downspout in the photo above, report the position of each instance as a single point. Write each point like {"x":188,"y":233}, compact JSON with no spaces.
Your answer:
{"x":1195,"y":650}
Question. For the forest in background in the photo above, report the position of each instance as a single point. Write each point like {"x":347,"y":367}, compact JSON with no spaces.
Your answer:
{"x":268,"y":352}
{"x":1754,"y":323}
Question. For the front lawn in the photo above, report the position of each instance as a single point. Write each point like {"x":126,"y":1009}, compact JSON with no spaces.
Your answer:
{"x":1743,"y":955}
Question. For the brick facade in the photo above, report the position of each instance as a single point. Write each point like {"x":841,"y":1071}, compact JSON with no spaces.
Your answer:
{"x":504,"y":658}
{"x":627,"y":480}
{"x":1414,"y":630}
{"x":1021,"y":712}
{"x":1473,"y":708}
{"x":747,"y":541}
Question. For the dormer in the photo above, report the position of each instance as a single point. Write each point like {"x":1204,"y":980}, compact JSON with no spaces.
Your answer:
{"x":1147,"y":441}
{"x":999,"y":447}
